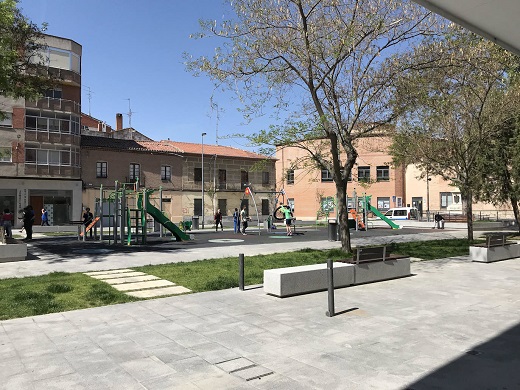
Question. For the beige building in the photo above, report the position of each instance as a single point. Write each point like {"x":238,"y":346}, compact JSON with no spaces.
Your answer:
{"x":40,"y":141}
{"x":312,"y":192}
{"x":174,"y":170}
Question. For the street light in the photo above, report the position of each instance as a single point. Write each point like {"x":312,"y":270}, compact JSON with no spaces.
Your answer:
{"x":428,"y":179}
{"x":203,"y":134}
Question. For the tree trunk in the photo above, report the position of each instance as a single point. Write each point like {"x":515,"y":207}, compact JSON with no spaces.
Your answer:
{"x":341,"y":196}
{"x":514,"y":204}
{"x":469,"y":213}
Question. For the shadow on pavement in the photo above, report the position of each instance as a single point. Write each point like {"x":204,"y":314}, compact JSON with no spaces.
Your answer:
{"x":494,"y":364}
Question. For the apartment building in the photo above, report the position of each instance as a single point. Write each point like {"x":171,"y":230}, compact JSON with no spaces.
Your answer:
{"x":174,"y":170}
{"x":40,"y":141}
{"x":312,"y":192}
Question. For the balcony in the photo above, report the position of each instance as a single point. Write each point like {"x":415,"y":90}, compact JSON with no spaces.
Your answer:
{"x":66,"y":76}
{"x":55,"y":105}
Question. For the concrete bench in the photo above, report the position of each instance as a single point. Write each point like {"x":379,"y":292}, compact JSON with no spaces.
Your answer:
{"x":284,"y":282}
{"x":12,"y":250}
{"x":377,"y":263}
{"x":365,"y":267}
{"x":496,"y":248}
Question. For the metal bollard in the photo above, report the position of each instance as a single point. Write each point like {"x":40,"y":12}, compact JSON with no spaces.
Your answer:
{"x":241,"y":271}
{"x":330,"y":279}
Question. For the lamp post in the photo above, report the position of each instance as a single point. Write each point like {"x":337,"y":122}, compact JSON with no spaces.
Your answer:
{"x":203,"y":134}
{"x":428,"y":179}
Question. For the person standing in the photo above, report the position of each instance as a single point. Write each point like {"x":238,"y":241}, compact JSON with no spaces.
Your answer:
{"x":7,"y":222}
{"x":286,"y":210}
{"x":87,"y":219}
{"x":243,"y":219}
{"x":28,"y":221}
{"x":45,"y":218}
{"x":439,"y":221}
{"x":218,"y":220}
{"x":236,"y":221}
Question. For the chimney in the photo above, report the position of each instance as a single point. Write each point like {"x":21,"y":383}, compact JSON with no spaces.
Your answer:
{"x":119,"y":122}
{"x":100,"y":127}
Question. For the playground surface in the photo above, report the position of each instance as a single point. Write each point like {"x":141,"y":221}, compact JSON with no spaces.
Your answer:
{"x":454,"y":324}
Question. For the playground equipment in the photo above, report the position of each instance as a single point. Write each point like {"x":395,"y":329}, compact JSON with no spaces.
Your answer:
{"x":249,"y":192}
{"x":367,"y":206}
{"x":122,"y":215}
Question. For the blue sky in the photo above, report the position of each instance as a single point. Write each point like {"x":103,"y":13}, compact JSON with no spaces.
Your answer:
{"x":134,"y":50}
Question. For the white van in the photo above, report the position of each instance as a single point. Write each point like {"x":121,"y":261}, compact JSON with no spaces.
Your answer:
{"x":402,"y":213}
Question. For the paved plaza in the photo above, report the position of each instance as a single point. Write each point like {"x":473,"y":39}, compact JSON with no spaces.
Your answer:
{"x":454,"y":324}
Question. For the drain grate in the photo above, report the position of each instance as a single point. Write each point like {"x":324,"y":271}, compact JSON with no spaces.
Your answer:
{"x":244,"y":368}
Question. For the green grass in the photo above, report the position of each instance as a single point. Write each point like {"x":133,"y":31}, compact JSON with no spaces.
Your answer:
{"x":208,"y":275}
{"x":59,"y":291}
{"x":55,"y":292}
{"x":429,"y":250}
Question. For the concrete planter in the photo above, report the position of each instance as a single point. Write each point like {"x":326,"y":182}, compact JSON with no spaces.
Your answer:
{"x":496,"y":253}
{"x":13,"y":252}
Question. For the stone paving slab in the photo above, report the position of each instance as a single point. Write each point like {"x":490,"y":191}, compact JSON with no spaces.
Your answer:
{"x":158,"y":292}
{"x":236,"y":364}
{"x":114,"y":271}
{"x":131,"y":279}
{"x":143,"y":285}
{"x":117,"y":275}
{"x":253,"y":373}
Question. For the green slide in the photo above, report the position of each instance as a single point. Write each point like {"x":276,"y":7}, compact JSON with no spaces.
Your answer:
{"x":159,"y":217}
{"x":392,"y":224}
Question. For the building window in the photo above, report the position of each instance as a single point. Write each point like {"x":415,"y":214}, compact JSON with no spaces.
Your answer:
{"x":383,"y":203}
{"x":63,"y":157}
{"x":244,"y":178}
{"x":222,"y":205}
{"x":101,"y":169}
{"x":327,"y":204}
{"x":7,"y":120}
{"x":166,"y":173}
{"x":197,"y":175}
{"x":56,"y":122}
{"x":383,"y":173}
{"x":265,"y":178}
{"x":363,"y":173}
{"x":197,"y":206}
{"x":134,"y":172}
{"x":326,"y":175}
{"x":265,"y":207}
{"x":290,"y":176}
{"x":5,"y":154}
{"x":222,"y":179}
{"x":446,"y":199}
{"x":54,"y":93}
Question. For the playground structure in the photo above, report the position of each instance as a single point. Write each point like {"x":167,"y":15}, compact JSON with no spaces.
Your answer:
{"x":122,"y":216}
{"x":359,"y":217}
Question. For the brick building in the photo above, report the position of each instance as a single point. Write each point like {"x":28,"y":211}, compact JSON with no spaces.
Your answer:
{"x":40,"y":141}
{"x":174,"y":169}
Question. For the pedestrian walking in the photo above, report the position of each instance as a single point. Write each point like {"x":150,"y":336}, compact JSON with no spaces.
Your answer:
{"x":236,"y":221}
{"x":244,"y":218}
{"x":45,"y":218}
{"x":87,"y":220}
{"x":218,"y":220}
{"x":7,"y":223}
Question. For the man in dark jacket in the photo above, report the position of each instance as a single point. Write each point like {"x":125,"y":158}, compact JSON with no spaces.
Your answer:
{"x":28,"y":221}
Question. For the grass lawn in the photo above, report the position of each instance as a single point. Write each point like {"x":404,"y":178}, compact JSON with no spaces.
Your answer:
{"x":59,"y":291}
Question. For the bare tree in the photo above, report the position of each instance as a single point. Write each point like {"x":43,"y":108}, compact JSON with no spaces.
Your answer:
{"x":455,"y":108}
{"x":329,"y":62}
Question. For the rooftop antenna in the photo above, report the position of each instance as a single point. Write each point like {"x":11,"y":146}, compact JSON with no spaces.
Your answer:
{"x":129,"y":114}
{"x":89,"y":95}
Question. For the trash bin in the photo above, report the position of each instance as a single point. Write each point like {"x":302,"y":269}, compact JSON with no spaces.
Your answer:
{"x":333,"y":230}
{"x":195,"y":222}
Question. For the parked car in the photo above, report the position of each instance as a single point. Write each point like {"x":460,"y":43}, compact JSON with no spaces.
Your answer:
{"x":402,"y":213}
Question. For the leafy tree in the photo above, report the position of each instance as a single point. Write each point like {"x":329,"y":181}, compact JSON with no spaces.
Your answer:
{"x":325,"y":64}
{"x":23,"y":73}
{"x":455,"y":108}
